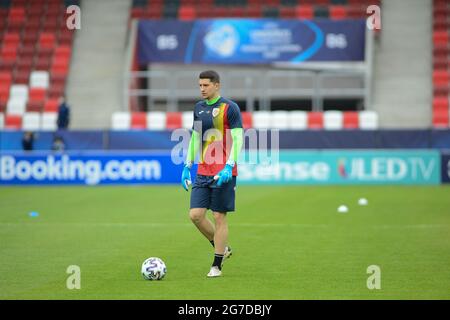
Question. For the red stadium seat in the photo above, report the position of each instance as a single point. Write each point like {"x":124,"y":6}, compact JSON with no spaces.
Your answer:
{"x":338,"y":12}
{"x":441,"y":91}
{"x":11,"y":38}
{"x":2,"y":106}
{"x":441,"y":24}
{"x":137,"y":13}
{"x":440,"y":119}
{"x":441,"y":78}
{"x":440,"y":103}
{"x":16,"y":15}
{"x":51,"y":105}
{"x":4,"y":92}
{"x":440,"y":38}
{"x":56,"y":91}
{"x":186,"y":13}
{"x":22,"y":77}
{"x":356,"y":11}
{"x":247,"y":120}
{"x":63,"y":52}
{"x":351,"y":120}
{"x":138,"y":120}
{"x":35,"y":106}
{"x":304,"y":12}
{"x":9,"y":52}
{"x":37,"y":94}
{"x":173,"y":120}
{"x":5,"y":78}
{"x":441,"y":63}
{"x":13,"y":121}
{"x":47,"y":40}
{"x":315,"y":120}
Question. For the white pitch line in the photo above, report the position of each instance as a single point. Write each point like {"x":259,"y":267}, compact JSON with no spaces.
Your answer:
{"x":246,"y":225}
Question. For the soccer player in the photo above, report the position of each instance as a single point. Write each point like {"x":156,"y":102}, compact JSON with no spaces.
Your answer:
{"x":218,"y":135}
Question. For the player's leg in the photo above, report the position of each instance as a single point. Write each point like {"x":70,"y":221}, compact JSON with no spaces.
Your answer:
{"x":222,"y":201}
{"x":200,"y":203}
{"x":221,"y":233}
{"x":220,"y":240}
{"x":203,"y":224}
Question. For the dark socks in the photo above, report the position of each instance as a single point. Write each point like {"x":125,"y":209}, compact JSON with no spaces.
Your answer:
{"x":218,"y":261}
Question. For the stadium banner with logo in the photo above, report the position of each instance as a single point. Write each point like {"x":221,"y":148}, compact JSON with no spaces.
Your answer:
{"x":282,"y":167}
{"x":88,"y":168}
{"x":250,"y":41}
{"x":343,"y":167}
{"x":445,"y":167}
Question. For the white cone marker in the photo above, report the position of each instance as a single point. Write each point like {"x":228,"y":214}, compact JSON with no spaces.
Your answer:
{"x":342,"y":209}
{"x":363,"y":202}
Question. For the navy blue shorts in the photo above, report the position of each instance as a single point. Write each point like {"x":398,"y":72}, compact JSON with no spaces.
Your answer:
{"x":206,"y":194}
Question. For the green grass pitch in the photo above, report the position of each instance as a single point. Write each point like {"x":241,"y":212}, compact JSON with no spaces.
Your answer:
{"x":289,"y":242}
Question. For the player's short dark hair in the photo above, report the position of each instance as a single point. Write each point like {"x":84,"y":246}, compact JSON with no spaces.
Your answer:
{"x":212,"y":75}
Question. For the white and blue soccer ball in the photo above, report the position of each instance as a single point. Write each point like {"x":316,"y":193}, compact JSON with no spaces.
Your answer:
{"x":153,"y":269}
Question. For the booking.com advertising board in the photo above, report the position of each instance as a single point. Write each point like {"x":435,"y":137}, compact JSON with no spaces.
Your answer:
{"x":250,"y":41}
{"x":288,"y":167}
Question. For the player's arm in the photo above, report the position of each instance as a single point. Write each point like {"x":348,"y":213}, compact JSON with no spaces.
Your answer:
{"x":194,"y":146}
{"x":237,"y":134}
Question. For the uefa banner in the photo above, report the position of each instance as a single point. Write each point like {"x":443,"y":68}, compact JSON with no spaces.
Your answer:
{"x":445,"y":168}
{"x":288,"y":167}
{"x":250,"y":41}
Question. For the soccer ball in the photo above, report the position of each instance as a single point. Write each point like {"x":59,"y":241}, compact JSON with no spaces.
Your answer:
{"x":153,"y":269}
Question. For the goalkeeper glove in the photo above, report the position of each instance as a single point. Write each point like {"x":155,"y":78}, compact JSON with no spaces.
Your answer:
{"x":186,"y":177}
{"x":224,"y":176}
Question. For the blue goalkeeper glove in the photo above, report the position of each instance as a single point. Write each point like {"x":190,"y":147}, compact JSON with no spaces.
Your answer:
{"x":186,"y":177}
{"x":224,"y":176}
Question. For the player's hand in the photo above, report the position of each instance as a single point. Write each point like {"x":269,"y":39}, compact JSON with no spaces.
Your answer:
{"x":224,"y":176}
{"x":186,"y":178}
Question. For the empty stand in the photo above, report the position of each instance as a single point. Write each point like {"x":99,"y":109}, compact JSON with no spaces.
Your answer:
{"x":34,"y":60}
{"x":288,"y":9}
{"x":281,"y":120}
